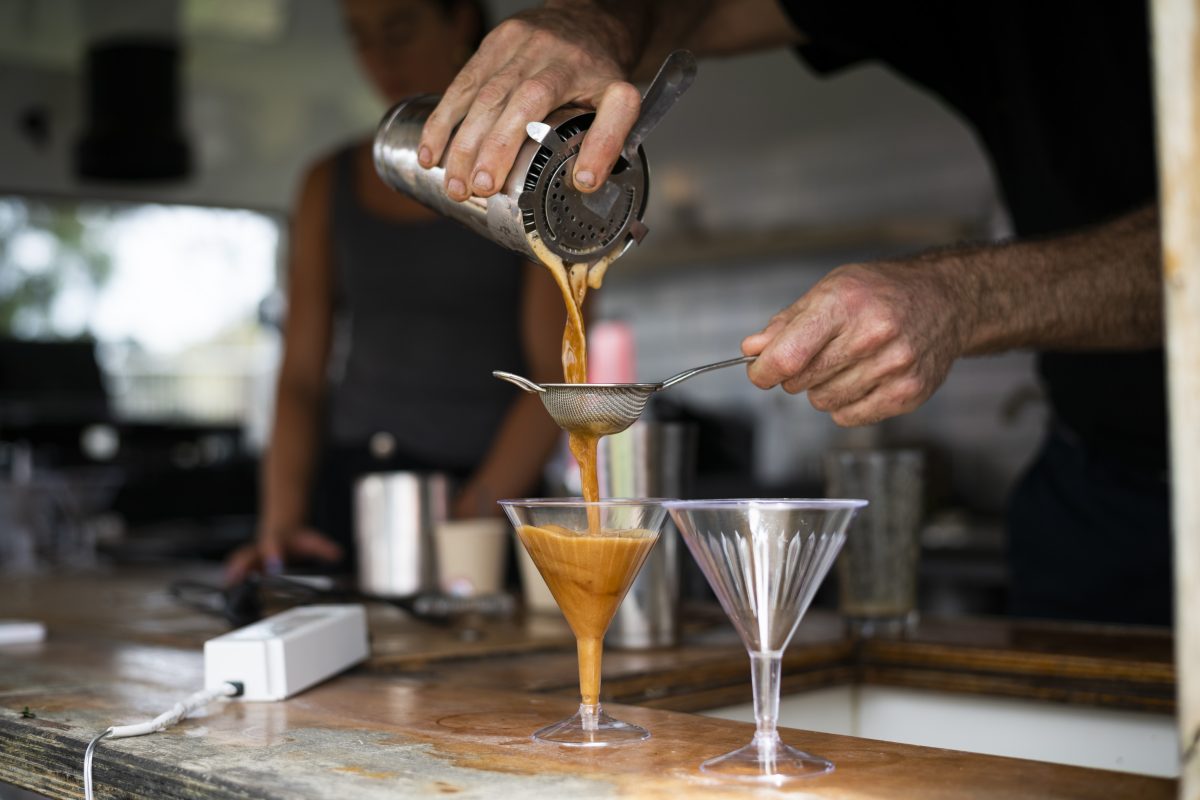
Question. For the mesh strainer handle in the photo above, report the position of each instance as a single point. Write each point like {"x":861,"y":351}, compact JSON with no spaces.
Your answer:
{"x":694,"y":371}
{"x":517,"y":380}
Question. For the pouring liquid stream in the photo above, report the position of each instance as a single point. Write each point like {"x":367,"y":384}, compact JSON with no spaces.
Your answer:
{"x":572,"y":283}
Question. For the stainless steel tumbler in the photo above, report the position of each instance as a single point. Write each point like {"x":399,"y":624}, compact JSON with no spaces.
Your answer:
{"x":395,"y":514}
{"x":650,"y":459}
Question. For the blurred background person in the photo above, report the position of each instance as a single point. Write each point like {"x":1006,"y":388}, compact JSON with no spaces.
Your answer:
{"x":396,"y":318}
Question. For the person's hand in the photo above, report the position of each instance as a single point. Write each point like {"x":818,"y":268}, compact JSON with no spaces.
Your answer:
{"x":271,"y":550}
{"x":868,"y":342}
{"x":527,"y":67}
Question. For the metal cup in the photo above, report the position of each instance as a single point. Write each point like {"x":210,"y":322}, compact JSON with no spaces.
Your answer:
{"x":395,"y":514}
{"x":877,"y":571}
{"x":649,"y":459}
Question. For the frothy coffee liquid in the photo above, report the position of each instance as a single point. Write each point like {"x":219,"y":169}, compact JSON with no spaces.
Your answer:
{"x":588,"y":574}
{"x":572,"y":282}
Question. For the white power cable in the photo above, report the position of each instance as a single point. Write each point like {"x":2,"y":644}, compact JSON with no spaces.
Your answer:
{"x":160,"y":723}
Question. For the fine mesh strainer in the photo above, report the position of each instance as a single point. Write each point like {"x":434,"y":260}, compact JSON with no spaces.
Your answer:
{"x":602,"y":409}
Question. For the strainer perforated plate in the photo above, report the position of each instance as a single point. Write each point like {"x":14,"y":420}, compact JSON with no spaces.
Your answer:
{"x":574,"y":226}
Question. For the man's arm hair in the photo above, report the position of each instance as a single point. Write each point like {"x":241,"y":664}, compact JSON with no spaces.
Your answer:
{"x":1099,"y":288}
{"x":706,"y":27}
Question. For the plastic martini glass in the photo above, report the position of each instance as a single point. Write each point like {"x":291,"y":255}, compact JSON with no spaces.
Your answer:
{"x":764,"y":560}
{"x":589,"y":568}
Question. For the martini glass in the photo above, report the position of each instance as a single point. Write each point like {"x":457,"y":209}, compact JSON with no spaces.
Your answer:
{"x":589,"y":554}
{"x":764,"y":560}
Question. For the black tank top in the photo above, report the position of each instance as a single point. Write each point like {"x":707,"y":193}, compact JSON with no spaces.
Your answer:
{"x":424,"y":311}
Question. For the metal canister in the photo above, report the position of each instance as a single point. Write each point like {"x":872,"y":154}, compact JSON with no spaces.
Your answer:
{"x":395,"y":514}
{"x":650,"y":459}
{"x":538,"y":212}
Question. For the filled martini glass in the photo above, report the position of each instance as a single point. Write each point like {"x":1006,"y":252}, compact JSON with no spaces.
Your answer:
{"x":764,"y":560}
{"x":589,"y":554}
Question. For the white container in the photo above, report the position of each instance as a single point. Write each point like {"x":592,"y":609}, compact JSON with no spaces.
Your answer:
{"x":471,"y":555}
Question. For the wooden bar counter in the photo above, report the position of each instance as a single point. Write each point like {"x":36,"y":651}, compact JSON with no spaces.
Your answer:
{"x":440,"y":713}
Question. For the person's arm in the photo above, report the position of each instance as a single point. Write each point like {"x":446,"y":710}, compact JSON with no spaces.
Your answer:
{"x":290,"y":458}
{"x":577,"y":52}
{"x":871,"y":341}
{"x":527,"y":435}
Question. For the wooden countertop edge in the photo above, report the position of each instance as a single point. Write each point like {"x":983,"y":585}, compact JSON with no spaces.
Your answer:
{"x":1076,"y":680}
{"x":56,"y":762}
{"x":41,"y":756}
{"x":1079,"y":694}
{"x":943,"y":656}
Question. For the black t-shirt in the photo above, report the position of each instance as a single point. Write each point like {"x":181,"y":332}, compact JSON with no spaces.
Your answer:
{"x":1059,"y":92}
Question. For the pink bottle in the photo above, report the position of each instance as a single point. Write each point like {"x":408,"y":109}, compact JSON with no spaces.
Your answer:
{"x":611,"y":353}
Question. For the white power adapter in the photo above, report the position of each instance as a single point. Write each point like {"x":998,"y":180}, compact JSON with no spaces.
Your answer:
{"x":279,"y":656}
{"x":269,"y":660}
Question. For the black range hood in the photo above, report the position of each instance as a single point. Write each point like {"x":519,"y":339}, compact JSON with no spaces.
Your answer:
{"x":133,"y":130}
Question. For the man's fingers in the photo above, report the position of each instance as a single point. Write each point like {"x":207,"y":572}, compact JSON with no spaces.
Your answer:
{"x":495,"y":52}
{"x":616,"y":111}
{"x":532,"y":101}
{"x":835,"y":377}
{"x":792,"y":348}
{"x":894,"y":396}
{"x":844,"y":388}
{"x":450,"y":111}
{"x":489,"y":104}
{"x":867,"y":411}
{"x":755,"y":343}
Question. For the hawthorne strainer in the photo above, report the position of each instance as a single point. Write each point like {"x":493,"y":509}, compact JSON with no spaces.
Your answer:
{"x":602,"y":409}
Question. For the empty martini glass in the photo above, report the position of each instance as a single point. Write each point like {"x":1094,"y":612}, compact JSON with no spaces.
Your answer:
{"x":589,"y":554}
{"x":764,"y":560}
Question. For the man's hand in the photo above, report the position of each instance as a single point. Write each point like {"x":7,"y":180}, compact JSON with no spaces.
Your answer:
{"x":868,"y":342}
{"x":531,"y":64}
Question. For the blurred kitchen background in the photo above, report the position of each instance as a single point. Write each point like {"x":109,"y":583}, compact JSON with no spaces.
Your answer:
{"x":139,"y":319}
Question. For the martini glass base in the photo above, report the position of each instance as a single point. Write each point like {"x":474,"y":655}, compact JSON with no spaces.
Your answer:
{"x":590,"y":726}
{"x":766,"y":760}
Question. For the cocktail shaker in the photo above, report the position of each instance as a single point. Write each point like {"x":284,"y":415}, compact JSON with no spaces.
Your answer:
{"x":650,"y":459}
{"x":538,"y":212}
{"x":395,"y":514}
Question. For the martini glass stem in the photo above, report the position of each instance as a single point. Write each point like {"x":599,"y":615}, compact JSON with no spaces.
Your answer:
{"x":590,"y":653}
{"x":589,"y":716}
{"x":764,"y":672}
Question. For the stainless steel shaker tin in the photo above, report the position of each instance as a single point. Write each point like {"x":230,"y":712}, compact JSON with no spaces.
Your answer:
{"x":650,"y":459}
{"x":538,"y":210}
{"x":395,"y":514}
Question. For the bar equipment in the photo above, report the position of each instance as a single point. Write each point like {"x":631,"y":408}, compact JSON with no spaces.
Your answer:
{"x":589,"y":554}
{"x":650,"y":459}
{"x":395,"y":515}
{"x":877,"y":575}
{"x":764,"y":560}
{"x":539,"y":212}
{"x":602,"y":409}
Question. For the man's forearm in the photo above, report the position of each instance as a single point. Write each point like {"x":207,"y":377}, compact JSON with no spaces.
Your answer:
{"x":706,"y":27}
{"x":1100,"y":288}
